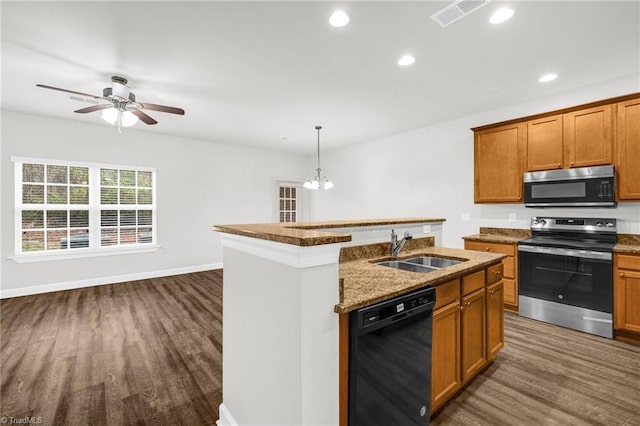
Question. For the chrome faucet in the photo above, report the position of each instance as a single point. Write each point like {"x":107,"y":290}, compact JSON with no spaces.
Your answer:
{"x":397,"y":246}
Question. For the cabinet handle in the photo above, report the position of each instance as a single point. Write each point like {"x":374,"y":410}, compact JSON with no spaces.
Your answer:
{"x":498,"y":273}
{"x":468,"y":304}
{"x":558,"y":165}
{"x":492,"y":291}
{"x":621,"y":274}
{"x":571,"y":163}
{"x":462,"y":307}
{"x":488,"y":249}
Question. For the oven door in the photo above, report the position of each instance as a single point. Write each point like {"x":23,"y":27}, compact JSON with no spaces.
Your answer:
{"x":571,"y":277}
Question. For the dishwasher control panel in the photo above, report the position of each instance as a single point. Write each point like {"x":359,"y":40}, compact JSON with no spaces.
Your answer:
{"x":401,"y":306}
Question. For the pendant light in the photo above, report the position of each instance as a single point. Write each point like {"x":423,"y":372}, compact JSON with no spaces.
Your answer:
{"x":318,"y":182}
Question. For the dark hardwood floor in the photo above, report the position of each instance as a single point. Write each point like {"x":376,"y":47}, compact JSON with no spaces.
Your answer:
{"x":143,"y":352}
{"x":150,"y":352}
{"x":549,"y":375}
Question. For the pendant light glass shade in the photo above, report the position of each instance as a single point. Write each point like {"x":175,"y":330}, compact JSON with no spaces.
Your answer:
{"x":318,"y":180}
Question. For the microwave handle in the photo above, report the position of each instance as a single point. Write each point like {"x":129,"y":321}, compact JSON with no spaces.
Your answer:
{"x":556,"y":251}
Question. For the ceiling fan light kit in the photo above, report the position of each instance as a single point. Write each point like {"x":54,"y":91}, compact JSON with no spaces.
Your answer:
{"x":120,"y":109}
{"x":318,"y":181}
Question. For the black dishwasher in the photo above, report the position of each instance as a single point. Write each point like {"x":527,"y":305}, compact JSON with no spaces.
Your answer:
{"x":390,"y":361}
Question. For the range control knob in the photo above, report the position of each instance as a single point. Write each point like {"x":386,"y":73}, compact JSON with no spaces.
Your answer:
{"x":599,"y":223}
{"x":543,"y":222}
{"x":610,"y":224}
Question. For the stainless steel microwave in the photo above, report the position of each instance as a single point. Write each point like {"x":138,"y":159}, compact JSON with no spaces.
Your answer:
{"x":580,"y":187}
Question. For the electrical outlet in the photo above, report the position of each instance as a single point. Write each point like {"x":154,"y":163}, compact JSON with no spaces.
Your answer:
{"x":512,"y":217}
{"x":426,"y":228}
{"x":465,"y":217}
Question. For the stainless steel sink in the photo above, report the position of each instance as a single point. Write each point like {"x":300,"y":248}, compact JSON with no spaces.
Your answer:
{"x":406,"y":266}
{"x":421,"y":264}
{"x":433,"y":262}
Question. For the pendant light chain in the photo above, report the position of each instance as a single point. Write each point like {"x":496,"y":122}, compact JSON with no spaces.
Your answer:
{"x":318,"y":169}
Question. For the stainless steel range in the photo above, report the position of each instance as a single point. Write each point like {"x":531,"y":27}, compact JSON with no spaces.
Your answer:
{"x":565,"y":273}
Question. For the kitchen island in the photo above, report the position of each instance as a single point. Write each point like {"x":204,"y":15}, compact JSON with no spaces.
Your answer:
{"x":281,"y":334}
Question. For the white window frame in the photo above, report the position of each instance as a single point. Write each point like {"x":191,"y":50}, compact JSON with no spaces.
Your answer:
{"x":94,"y":207}
{"x":276,"y":199}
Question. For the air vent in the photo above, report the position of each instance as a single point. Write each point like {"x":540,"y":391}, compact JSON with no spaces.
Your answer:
{"x":457,"y":10}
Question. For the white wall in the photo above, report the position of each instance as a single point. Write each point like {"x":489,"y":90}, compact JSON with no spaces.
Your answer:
{"x":429,"y":173}
{"x":199,"y":184}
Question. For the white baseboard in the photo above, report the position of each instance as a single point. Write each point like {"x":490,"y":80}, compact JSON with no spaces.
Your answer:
{"x":70,"y":285}
{"x":226,"y":419}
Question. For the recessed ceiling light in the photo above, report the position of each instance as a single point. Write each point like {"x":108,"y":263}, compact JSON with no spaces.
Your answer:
{"x":548,"y":77}
{"x":501,"y":15}
{"x":339,"y":19}
{"x":406,"y":60}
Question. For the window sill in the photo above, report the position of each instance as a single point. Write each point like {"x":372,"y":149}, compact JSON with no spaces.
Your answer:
{"x":83,"y":253}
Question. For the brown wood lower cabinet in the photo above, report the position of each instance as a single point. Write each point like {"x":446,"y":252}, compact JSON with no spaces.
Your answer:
{"x":510,"y":264}
{"x":445,"y":354}
{"x":473,"y":332}
{"x":468,"y":331}
{"x":495,"y":319}
{"x":627,"y":294}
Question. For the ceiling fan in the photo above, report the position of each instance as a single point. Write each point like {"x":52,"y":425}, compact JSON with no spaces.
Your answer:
{"x":118,"y":104}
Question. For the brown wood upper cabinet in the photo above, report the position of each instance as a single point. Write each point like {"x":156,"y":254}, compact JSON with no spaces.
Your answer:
{"x":628,"y":148}
{"x":588,"y":137}
{"x":545,"y":148}
{"x":498,"y":164}
{"x":600,"y":133}
{"x":576,"y":139}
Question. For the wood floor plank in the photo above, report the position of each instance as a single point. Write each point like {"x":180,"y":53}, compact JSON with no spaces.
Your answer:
{"x":549,"y":375}
{"x":135,"y":353}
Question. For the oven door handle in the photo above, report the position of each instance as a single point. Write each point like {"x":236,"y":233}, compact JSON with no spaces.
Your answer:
{"x":556,"y":251}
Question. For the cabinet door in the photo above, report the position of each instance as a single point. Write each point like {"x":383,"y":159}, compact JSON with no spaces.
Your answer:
{"x":445,"y":354}
{"x":628,"y":131}
{"x":544,"y":144}
{"x":588,"y":138}
{"x":495,"y":319}
{"x":510,"y":291}
{"x":509,"y":263}
{"x":474,"y":355}
{"x":498,"y":164}
{"x":627,"y":302}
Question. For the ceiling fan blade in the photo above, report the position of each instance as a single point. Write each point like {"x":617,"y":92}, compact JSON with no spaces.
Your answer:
{"x":93,"y":108}
{"x":143,"y":117}
{"x":162,"y":108}
{"x":69,"y":91}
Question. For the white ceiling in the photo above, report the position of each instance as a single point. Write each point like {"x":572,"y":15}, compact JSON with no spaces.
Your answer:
{"x":254,"y":73}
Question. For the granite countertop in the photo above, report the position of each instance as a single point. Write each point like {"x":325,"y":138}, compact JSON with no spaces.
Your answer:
{"x":364,"y":283}
{"x":628,"y":243}
{"x":311,"y":233}
{"x":499,"y":235}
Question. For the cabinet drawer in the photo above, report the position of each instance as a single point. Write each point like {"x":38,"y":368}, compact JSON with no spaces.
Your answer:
{"x":472,"y":282}
{"x":446,"y":293}
{"x":510,"y":292}
{"x":628,"y":262}
{"x":508,"y":249}
{"x":509,"y":267}
{"x":494,"y":273}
